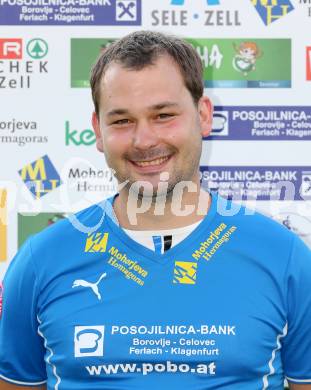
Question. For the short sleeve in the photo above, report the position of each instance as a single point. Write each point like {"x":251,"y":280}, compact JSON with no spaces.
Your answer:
{"x":297,"y":342}
{"x":21,"y":347}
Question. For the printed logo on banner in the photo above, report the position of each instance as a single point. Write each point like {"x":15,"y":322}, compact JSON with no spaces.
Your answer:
{"x":185,"y":13}
{"x":89,"y":341}
{"x":126,"y":10}
{"x":220,"y":123}
{"x":272,"y":10}
{"x":40,"y":177}
{"x":3,"y":224}
{"x":11,"y":49}
{"x":85,"y":137}
{"x":21,"y":132}
{"x":185,"y":272}
{"x":65,"y":13}
{"x":37,"y":48}
{"x":239,"y":63}
{"x":22,"y":62}
{"x":308,"y":63}
{"x":247,"y":54}
{"x":306,"y":184}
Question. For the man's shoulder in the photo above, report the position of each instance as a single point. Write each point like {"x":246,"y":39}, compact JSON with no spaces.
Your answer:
{"x":75,"y":227}
{"x":253,"y":223}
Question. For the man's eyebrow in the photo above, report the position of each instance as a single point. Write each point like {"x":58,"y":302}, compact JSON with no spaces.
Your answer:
{"x":117,"y":111}
{"x":162,"y":105}
{"x":155,"y":107}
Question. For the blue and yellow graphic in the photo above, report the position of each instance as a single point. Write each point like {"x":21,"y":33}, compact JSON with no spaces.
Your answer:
{"x":185,"y":272}
{"x":40,"y":177}
{"x":272,"y":10}
{"x":96,"y":242}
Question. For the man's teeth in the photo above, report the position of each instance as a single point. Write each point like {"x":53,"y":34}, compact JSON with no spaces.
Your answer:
{"x":158,"y":161}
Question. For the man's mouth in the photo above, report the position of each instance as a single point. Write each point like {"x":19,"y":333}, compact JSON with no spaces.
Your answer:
{"x":154,"y":162}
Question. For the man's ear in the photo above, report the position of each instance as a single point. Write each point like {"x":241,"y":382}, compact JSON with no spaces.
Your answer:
{"x":96,"y":128}
{"x":205,"y":108}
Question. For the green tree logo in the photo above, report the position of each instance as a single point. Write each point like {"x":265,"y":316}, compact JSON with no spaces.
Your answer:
{"x":37,"y":48}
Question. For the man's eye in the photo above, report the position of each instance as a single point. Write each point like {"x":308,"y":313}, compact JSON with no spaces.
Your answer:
{"x":165,"y":116}
{"x":121,"y":122}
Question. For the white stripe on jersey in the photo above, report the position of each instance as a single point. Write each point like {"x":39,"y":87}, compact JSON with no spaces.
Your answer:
{"x":48,"y":360}
{"x":272,"y":369}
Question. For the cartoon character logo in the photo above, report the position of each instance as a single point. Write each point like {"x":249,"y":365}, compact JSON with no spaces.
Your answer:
{"x":246,"y":56}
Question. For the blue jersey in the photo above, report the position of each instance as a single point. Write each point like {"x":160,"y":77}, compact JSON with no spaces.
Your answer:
{"x":227,"y":308}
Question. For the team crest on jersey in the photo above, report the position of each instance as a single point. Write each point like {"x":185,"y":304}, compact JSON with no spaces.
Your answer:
{"x":89,"y":341}
{"x":1,"y":297}
{"x":96,"y":242}
{"x":185,"y":272}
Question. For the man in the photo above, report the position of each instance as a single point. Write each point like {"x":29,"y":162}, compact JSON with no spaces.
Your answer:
{"x":160,"y":290}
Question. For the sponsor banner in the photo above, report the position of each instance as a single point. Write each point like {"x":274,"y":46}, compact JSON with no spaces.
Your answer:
{"x":20,"y":132}
{"x":21,"y":61}
{"x":270,"y":11}
{"x":258,"y":183}
{"x":308,"y":63}
{"x":29,"y":224}
{"x":228,"y":63}
{"x":189,"y":14}
{"x":268,"y":123}
{"x":70,"y":12}
{"x":245,"y":63}
{"x":3,"y":225}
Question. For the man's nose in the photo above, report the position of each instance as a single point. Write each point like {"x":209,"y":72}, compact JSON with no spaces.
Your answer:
{"x":145,"y":135}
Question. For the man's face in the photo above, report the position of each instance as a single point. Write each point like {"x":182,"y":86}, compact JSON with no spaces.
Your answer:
{"x":148,"y":124}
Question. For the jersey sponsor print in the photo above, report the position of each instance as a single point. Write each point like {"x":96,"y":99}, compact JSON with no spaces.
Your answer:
{"x":112,"y":313}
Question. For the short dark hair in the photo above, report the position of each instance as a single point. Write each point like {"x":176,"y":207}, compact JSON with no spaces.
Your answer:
{"x":142,"y":48}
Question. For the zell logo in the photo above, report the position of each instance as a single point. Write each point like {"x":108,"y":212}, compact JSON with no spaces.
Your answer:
{"x":308,"y":62}
{"x":11,"y":49}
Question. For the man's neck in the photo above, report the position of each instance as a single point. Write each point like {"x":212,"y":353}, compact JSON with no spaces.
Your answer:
{"x":162,"y":213}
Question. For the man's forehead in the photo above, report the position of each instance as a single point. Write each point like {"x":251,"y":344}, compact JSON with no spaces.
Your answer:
{"x":124,"y":89}
{"x":115,"y":69}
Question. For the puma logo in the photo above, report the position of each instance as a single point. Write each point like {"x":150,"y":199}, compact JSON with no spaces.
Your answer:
{"x":93,"y":286}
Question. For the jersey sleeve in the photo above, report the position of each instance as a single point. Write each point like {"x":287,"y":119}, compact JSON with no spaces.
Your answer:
{"x":297,"y":342}
{"x":21,"y":347}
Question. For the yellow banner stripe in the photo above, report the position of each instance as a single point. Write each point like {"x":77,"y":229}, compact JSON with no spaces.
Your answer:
{"x":3,"y":225}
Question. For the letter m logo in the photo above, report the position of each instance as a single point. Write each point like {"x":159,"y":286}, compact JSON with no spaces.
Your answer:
{"x":272,"y":10}
{"x":96,"y":242}
{"x":185,"y":272}
{"x":182,"y":2}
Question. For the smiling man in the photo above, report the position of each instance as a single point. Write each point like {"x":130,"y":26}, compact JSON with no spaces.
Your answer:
{"x":164,"y":285}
